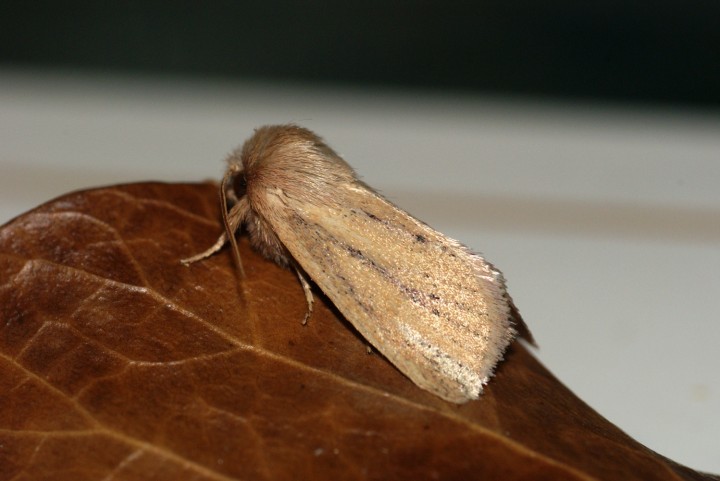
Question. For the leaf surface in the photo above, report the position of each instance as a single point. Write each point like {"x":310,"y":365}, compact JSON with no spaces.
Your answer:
{"x":119,"y":363}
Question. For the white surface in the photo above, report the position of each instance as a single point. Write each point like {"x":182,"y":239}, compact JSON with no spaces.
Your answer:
{"x":605,"y":221}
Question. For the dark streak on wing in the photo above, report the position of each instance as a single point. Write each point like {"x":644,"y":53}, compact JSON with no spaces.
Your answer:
{"x":425,"y":301}
{"x":303,"y":224}
{"x":414,"y":294}
{"x":372,"y":216}
{"x":418,"y":237}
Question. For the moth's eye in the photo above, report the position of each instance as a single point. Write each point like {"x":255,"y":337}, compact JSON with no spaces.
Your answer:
{"x":240,"y":185}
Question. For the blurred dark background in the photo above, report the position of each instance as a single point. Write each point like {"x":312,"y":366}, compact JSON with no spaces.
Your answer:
{"x":660,"y":52}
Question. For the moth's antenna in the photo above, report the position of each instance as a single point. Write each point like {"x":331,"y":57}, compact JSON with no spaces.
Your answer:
{"x":230,"y":230}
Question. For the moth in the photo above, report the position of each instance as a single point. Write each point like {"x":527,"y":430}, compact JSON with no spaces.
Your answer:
{"x":439,"y":312}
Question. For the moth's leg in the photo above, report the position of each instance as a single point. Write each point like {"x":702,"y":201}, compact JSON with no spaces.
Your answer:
{"x":308,"y":295}
{"x":207,"y":253}
{"x":232,"y":222}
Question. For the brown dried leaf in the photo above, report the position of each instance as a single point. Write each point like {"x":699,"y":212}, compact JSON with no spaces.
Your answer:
{"x":117,"y":362}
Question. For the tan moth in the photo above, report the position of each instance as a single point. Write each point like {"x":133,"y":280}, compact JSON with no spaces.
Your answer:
{"x":436,"y":310}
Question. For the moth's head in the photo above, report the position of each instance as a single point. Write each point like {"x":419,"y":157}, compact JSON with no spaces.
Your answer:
{"x":238,"y":184}
{"x":280,"y":160}
{"x":237,"y":200}
{"x":234,"y":183}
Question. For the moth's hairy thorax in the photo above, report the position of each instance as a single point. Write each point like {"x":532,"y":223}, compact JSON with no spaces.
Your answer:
{"x":282,"y":166}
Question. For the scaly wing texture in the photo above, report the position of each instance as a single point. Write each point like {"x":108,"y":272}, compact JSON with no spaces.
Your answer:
{"x":437,"y":311}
